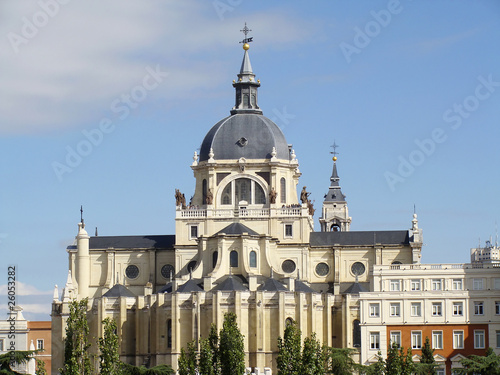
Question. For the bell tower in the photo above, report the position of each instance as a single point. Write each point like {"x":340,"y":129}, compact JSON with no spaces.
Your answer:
{"x":335,"y":214}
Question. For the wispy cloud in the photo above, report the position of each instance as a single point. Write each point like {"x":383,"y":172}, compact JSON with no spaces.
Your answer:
{"x":23,"y":289}
{"x":68,"y":70}
{"x":431,"y":45}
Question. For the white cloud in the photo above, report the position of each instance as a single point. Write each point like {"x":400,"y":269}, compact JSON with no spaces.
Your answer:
{"x":89,"y":53}
{"x":23,"y":289}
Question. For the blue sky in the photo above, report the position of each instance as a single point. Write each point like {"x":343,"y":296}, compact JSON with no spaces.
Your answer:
{"x":410,"y":90}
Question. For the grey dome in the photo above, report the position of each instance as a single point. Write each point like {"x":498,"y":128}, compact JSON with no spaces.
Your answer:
{"x":247,"y":135}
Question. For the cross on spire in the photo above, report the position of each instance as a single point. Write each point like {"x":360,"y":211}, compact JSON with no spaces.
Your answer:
{"x":334,"y":146}
{"x":245,"y":31}
{"x":81,"y":214}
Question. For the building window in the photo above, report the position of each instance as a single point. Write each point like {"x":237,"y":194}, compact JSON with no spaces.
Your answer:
{"x":375,"y":340}
{"x":39,"y":344}
{"x":227,"y":194}
{"x":288,"y":231}
{"x":479,"y":339}
{"x":253,"y":259}
{"x":437,"y":339}
{"x":416,"y":285}
{"x":478,"y":308}
{"x":458,"y":339}
{"x":440,"y":371}
{"x":322,"y":269}
{"x":356,"y":334}
{"x":458,"y":309}
{"x":416,"y":340}
{"x":478,"y":284}
{"x":437,"y":309}
{"x":416,"y":309}
{"x":497,"y":283}
{"x":132,"y":271}
{"x":215,"y":257}
{"x":243,"y":189}
{"x":374,"y":310}
{"x":458,"y":284}
{"x":233,"y":258}
{"x":288,"y":266}
{"x":3,"y":349}
{"x":283,"y":190}
{"x":204,"y":191}
{"x":193,"y":232}
{"x":395,"y":338}
{"x":395,"y":285}
{"x":437,"y":284}
{"x":395,"y":309}
{"x":169,"y":333}
{"x":497,"y":307}
{"x":498,"y":339}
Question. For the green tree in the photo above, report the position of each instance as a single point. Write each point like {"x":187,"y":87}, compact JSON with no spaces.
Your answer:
{"x":206,"y":360}
{"x":339,"y":361}
{"x":313,"y":361}
{"x":213,"y":340}
{"x":17,"y":357}
{"x":231,"y":347}
{"x":188,"y":362}
{"x":427,"y":365}
{"x":289,"y":351}
{"x":393,"y":365}
{"x":109,"y":346}
{"x":376,"y":368}
{"x":40,"y":367}
{"x":482,"y":365}
{"x":127,"y":369}
{"x":76,"y":357}
{"x":407,"y":365}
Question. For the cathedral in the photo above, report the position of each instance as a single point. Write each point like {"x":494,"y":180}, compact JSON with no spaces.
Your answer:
{"x":245,"y":243}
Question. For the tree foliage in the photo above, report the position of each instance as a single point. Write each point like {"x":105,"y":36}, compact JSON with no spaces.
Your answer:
{"x":40,"y":367}
{"x":313,"y":357}
{"x":108,"y":347}
{"x":376,"y":368}
{"x":17,"y":357}
{"x":481,"y":365}
{"x":339,"y":361}
{"x":231,"y":347}
{"x":290,"y":351}
{"x":393,"y":365}
{"x":76,"y":357}
{"x":188,"y":361}
{"x":126,"y":369}
{"x":427,"y":365}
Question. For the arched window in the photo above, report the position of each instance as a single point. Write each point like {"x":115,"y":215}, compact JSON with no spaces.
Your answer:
{"x":169,"y":333}
{"x":246,"y":100}
{"x":356,"y":334}
{"x":233,"y":258}
{"x":215,"y":256}
{"x":335,"y":228}
{"x":283,"y":190}
{"x":243,"y":189}
{"x":253,"y":259}
{"x":288,"y":322}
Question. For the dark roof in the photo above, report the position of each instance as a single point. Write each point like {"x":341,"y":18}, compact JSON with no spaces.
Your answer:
{"x":301,"y":287}
{"x":393,"y":237}
{"x":272,"y":285}
{"x":237,"y":228}
{"x":165,"y":288}
{"x":355,"y":288}
{"x":118,"y":291}
{"x":230,"y":284}
{"x":190,"y":286}
{"x":133,"y":242}
{"x":258,"y":133}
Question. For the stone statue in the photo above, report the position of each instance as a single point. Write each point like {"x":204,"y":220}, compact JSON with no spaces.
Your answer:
{"x":304,"y":195}
{"x":310,"y":207}
{"x":209,"y":199}
{"x":272,"y":196}
{"x":183,"y":202}
{"x":178,"y":197}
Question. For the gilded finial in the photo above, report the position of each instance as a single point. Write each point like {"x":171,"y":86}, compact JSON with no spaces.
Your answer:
{"x":246,"y":46}
{"x":334,"y":158}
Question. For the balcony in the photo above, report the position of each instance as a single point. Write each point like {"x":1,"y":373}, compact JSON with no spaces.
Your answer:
{"x":227,"y":213}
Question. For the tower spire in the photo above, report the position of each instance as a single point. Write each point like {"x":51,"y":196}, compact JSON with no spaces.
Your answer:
{"x":246,"y":86}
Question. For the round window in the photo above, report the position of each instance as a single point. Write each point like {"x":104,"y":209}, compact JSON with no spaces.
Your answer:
{"x":358,"y":268}
{"x":132,"y":272}
{"x":167,"y":271}
{"x":288,"y":266}
{"x":322,"y":269}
